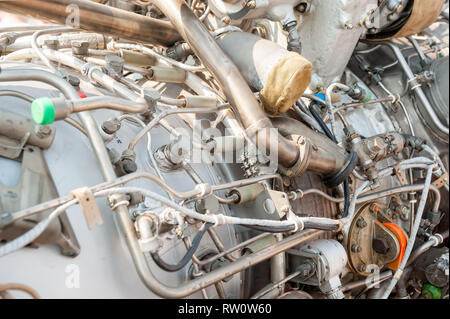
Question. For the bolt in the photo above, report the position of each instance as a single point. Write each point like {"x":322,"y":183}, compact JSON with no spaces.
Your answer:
{"x":80,"y":47}
{"x":129,"y":166}
{"x":226,"y":20}
{"x":302,"y":7}
{"x":375,"y":145}
{"x":51,"y":44}
{"x":348,"y":25}
{"x":340,"y":237}
{"x":361,"y":223}
{"x":111,"y":126}
{"x":395,"y":6}
{"x":391,"y":17}
{"x":114,"y":63}
{"x":73,"y":80}
{"x":251,"y":4}
{"x":43,"y":131}
{"x":285,"y":209}
{"x":362,"y":267}
{"x":374,"y":208}
{"x":301,"y":140}
{"x":380,"y":245}
{"x":356,"y":248}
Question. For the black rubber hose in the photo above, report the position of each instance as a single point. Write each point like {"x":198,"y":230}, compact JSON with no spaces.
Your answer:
{"x":183,"y":262}
{"x":271,"y":229}
{"x":321,"y":122}
{"x":288,"y":228}
{"x":346,"y":197}
{"x":333,"y":138}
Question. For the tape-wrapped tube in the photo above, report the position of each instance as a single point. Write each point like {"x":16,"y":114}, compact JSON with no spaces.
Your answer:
{"x":280,"y":76}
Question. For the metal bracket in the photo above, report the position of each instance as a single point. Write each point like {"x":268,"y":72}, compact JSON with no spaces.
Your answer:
{"x":11,"y":148}
{"x":441,"y":181}
{"x":35,"y":186}
{"x":87,"y":202}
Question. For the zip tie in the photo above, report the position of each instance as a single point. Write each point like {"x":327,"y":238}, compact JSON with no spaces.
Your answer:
{"x":301,"y":193}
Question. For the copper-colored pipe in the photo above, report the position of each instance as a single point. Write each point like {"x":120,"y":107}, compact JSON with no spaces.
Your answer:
{"x":236,"y":89}
{"x":97,"y":17}
{"x":24,"y":288}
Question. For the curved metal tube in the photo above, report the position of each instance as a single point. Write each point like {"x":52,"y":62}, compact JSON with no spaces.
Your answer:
{"x":227,"y":74}
{"x":97,"y":17}
{"x":417,"y":90}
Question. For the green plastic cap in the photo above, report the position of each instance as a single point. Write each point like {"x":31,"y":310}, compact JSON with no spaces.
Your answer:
{"x":431,"y":292}
{"x":367,"y":98}
{"x":43,"y":111}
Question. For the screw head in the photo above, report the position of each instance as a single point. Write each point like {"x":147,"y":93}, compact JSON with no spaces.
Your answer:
{"x":361,"y":223}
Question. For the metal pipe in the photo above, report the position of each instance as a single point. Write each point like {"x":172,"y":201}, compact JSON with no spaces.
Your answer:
{"x":354,"y":105}
{"x":432,"y":241}
{"x":380,"y":194}
{"x":229,"y":251}
{"x":210,"y":278}
{"x":328,"y":159}
{"x":227,"y":74}
{"x":356,"y":284}
{"x":417,"y":89}
{"x":278,"y":268}
{"x":99,"y":102}
{"x":413,"y":234}
{"x":216,"y":239}
{"x":419,"y":51}
{"x":266,"y":290}
{"x":98,"y":18}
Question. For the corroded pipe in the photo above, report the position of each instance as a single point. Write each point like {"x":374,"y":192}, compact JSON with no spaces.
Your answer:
{"x":98,"y":18}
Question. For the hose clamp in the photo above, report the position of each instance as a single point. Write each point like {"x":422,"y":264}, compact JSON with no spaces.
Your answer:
{"x":302,"y":163}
